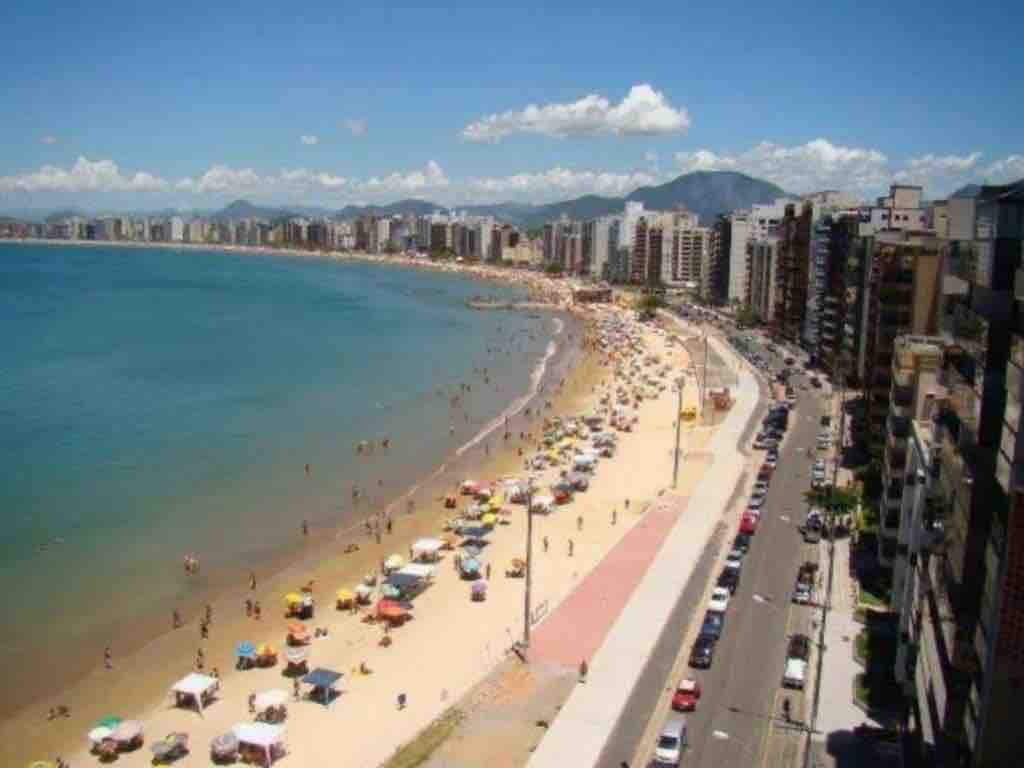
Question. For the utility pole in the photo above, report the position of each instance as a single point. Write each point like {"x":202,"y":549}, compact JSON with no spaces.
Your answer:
{"x":679,"y":427}
{"x":529,"y":565}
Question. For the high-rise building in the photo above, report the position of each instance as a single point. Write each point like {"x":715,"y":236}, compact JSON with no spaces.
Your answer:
{"x":646,"y":258}
{"x":792,"y":272}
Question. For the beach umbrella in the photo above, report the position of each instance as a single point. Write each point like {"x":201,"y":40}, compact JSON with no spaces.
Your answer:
{"x":390,"y":609}
{"x":99,"y":733}
{"x":225,"y":743}
{"x":245,"y":650}
{"x":394,"y":562}
{"x":390,"y":590}
{"x":345,"y":595}
{"x":471,"y":565}
{"x":479,"y":588}
{"x":489,"y":519}
{"x":108,"y":721}
{"x":293,"y":598}
{"x":266,"y":649}
{"x":297,"y":628}
{"x":41,"y":764}
{"x":363,"y":591}
{"x":471,"y":551}
{"x":127,"y":730}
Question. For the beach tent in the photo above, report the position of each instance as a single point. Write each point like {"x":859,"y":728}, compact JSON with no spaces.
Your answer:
{"x":263,"y":736}
{"x":391,"y":610}
{"x":393,"y":563}
{"x":98,"y":734}
{"x":474,"y":532}
{"x":543,"y":504}
{"x":417,"y":570}
{"x":323,"y":680}
{"x":363,"y":592}
{"x":127,"y":732}
{"x":427,"y":549}
{"x":275,"y":697}
{"x":197,"y":687}
{"x":405,"y":583}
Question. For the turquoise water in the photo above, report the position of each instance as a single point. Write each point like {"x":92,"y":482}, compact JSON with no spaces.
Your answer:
{"x":156,"y":402}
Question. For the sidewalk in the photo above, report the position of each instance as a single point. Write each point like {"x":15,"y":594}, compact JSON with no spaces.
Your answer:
{"x":582,"y":728}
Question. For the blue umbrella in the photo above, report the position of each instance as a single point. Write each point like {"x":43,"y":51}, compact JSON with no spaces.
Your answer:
{"x":245,"y":650}
{"x":471,"y":565}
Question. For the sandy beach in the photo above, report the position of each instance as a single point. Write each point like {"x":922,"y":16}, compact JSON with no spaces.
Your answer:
{"x":450,"y":645}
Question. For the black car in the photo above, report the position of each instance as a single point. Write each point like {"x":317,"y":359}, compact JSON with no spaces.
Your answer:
{"x":799,"y":647}
{"x":730,"y":579}
{"x":742,"y":542}
{"x":714,"y":624}
{"x":703,"y":652}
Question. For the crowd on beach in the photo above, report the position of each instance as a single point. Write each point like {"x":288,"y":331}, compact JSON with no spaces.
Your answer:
{"x":558,"y":453}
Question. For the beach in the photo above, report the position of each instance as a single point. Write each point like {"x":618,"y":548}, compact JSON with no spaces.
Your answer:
{"x":460,"y":640}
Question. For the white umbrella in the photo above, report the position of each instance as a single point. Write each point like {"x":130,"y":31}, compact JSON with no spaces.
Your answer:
{"x":272,"y":698}
{"x":394,"y":562}
{"x":127,"y":730}
{"x":98,"y":734}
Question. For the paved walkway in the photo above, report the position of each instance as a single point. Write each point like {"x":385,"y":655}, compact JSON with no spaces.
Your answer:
{"x":580,"y":732}
{"x":578,"y":628}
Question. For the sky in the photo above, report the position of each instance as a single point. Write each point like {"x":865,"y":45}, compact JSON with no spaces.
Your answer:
{"x":141,"y":106}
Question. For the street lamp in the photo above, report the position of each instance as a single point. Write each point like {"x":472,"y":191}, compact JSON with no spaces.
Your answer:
{"x":529,"y":563}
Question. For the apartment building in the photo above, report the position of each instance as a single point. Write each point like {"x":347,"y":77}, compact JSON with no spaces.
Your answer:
{"x":688,"y":263}
{"x":962,"y":594}
{"x":762,"y":283}
{"x":792,"y":271}
{"x":903,"y":298}
{"x":736,"y":235}
{"x":648,"y":251}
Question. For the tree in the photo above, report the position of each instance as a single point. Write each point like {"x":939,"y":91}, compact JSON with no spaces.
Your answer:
{"x":553,"y":269}
{"x":648,"y":305}
{"x":745,"y":317}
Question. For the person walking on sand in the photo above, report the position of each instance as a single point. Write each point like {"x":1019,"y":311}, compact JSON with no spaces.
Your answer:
{"x":252,"y":703}
{"x":296,"y":690}
{"x":544,"y":541}
{"x":579,"y":523}
{"x":252,"y":580}
{"x":401,"y":701}
{"x":305,"y":528}
{"x":583,"y":671}
{"x":614,"y":516}
{"x":108,"y":658}
{"x":570,"y":547}
{"x":488,"y":572}
{"x":248,"y":609}
{"x":175,"y":619}
{"x":256,"y":610}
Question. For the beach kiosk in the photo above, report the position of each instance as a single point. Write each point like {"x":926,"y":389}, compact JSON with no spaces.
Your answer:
{"x":261,"y":742}
{"x":270,"y":706}
{"x":195,"y":690}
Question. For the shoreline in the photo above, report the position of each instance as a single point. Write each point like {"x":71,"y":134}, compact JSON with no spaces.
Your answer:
{"x":552,"y":291}
{"x":22,"y":722}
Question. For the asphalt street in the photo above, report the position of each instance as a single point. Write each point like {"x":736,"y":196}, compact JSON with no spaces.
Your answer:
{"x":741,"y":690}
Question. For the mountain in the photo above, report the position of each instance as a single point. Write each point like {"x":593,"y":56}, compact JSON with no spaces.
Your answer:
{"x":410,"y":207}
{"x":708,"y":193}
{"x":243,"y":209}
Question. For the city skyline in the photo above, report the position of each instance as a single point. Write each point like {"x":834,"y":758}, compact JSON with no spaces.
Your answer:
{"x":483,"y":106}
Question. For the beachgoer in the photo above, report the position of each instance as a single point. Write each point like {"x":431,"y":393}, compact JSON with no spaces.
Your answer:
{"x":175,"y":619}
{"x":305,"y":528}
{"x":200,"y":660}
{"x":204,"y":630}
{"x":256,"y":610}
{"x":108,"y":658}
{"x":583,"y":671}
{"x":488,"y":571}
{"x":401,"y":701}
{"x":571,"y":546}
{"x":248,"y":609}
{"x":252,"y":703}
{"x":209,"y":613}
{"x":252,"y":580}
{"x":296,"y":690}
{"x":215,"y":674}
{"x":544,"y":541}
{"x":627,"y":504}
{"x":614,"y":516}
{"x":307,"y":470}
{"x":579,"y":523}
{"x":387,"y":525}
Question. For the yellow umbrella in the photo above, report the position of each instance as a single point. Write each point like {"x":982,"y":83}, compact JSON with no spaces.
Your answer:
{"x":265,"y":649}
{"x":293,"y":598}
{"x":489,"y":519}
{"x":345,"y":595}
{"x":41,"y":764}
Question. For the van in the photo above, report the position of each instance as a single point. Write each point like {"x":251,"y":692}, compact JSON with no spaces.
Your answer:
{"x":671,"y":742}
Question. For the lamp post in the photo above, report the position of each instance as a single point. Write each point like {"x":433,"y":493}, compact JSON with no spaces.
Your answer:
{"x":679,"y":426}
{"x":529,"y":563}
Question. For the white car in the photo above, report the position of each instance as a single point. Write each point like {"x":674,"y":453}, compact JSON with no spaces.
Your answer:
{"x":719,"y":599}
{"x":734,"y":559}
{"x":761,"y":486}
{"x":795,"y":673}
{"x":756,"y":501}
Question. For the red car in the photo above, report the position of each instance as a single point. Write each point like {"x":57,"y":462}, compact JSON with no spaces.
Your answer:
{"x":748,"y":524}
{"x":766,"y":472}
{"x":686,"y":695}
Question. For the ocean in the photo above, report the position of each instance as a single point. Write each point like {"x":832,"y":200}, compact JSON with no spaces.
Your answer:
{"x":157,"y":402}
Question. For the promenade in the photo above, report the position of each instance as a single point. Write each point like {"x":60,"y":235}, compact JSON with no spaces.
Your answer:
{"x":579,"y":734}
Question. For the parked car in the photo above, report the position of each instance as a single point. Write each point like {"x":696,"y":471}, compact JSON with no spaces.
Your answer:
{"x":730,"y":579}
{"x":686,"y":696}
{"x":671,"y":741}
{"x":714,"y":624}
{"x":742,"y":542}
{"x":756,"y":501}
{"x":802,"y":593}
{"x":812,"y":534}
{"x":795,"y":673}
{"x":734,"y":559}
{"x":799,"y":647}
{"x":703,"y":652}
{"x":719,"y":599}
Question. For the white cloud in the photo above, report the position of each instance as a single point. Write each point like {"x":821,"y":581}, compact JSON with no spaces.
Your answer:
{"x":651,"y":158}
{"x":309,"y":140}
{"x":431,"y":177}
{"x":355,"y":126}
{"x":1010,"y":168}
{"x":644,"y":112}
{"x":559,"y":181}
{"x":818,"y":164}
{"x":48,"y":139}
{"x":84,"y":176}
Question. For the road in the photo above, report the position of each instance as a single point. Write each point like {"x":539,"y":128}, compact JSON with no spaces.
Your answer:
{"x":741,"y":691}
